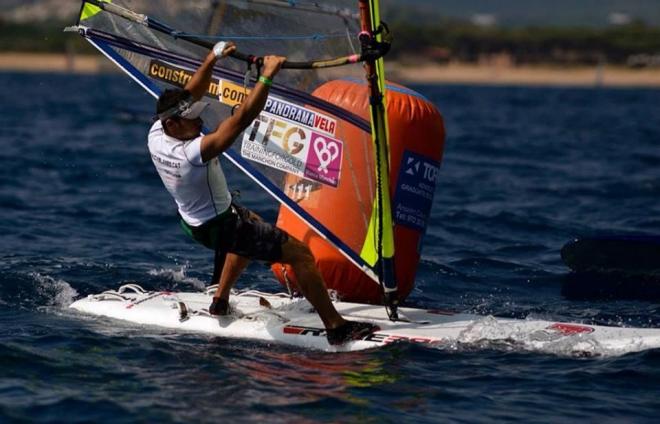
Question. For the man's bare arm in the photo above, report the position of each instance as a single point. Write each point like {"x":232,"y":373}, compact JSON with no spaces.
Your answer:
{"x":199,"y":83}
{"x":213,"y":144}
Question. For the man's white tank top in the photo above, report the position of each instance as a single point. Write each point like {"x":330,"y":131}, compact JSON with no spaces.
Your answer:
{"x":199,"y":189}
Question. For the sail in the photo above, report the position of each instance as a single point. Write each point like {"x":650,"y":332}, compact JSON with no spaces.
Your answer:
{"x":296,"y":149}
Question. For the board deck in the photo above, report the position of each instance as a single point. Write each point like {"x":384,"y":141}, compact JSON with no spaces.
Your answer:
{"x":280,"y":319}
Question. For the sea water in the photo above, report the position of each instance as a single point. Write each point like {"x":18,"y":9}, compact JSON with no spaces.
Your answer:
{"x":525,"y":170}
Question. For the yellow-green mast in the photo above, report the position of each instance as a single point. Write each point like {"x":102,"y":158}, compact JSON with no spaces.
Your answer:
{"x":378,"y":250}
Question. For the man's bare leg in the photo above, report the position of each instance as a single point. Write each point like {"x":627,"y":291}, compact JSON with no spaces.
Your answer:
{"x":225,"y":274}
{"x":233,"y":267}
{"x":310,"y":281}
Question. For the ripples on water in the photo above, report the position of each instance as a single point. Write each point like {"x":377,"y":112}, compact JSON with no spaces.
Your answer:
{"x":525,"y":170}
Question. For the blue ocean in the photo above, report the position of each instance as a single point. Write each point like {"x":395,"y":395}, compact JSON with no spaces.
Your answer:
{"x":525,"y":171}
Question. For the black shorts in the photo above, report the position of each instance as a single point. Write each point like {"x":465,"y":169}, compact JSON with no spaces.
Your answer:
{"x":235,"y":231}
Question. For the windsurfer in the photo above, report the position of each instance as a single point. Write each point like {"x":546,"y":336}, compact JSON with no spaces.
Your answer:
{"x":188,"y":165}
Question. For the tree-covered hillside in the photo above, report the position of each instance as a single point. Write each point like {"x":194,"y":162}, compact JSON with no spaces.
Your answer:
{"x":529,"y":12}
{"x":440,"y":30}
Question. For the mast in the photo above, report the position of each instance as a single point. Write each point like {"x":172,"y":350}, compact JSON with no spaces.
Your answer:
{"x":380,"y":238}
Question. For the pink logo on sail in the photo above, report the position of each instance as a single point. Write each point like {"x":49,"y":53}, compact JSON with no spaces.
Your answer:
{"x":324,"y":160}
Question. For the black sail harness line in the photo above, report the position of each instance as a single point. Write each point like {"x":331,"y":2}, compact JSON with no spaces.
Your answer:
{"x":376,"y":51}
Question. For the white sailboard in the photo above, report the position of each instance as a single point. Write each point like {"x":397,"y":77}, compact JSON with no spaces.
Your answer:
{"x":280,"y":319}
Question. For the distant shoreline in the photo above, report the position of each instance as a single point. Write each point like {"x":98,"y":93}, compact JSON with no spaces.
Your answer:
{"x":595,"y":76}
{"x":53,"y":62}
{"x":608,"y":76}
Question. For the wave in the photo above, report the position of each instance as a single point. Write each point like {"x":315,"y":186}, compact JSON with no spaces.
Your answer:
{"x":178,"y":276}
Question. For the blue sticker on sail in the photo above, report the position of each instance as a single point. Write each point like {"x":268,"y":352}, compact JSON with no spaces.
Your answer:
{"x":414,"y":191}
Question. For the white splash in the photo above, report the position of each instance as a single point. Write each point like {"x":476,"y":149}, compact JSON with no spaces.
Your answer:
{"x":513,"y":335}
{"x":178,"y":276}
{"x":58,"y":292}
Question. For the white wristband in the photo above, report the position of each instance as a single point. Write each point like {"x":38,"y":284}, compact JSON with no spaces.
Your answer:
{"x":219,"y":48}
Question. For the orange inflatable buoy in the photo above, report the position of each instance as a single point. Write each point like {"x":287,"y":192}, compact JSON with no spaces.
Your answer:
{"x":416,"y":146}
